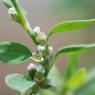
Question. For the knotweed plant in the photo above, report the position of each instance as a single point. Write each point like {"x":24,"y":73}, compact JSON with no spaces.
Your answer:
{"x":42,"y":79}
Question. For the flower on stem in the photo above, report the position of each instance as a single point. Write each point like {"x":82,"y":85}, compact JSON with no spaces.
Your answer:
{"x":51,"y":49}
{"x":37,"y":57}
{"x":37,"y":29}
{"x":41,"y":48}
{"x":50,"y":55}
{"x":13,"y":13}
{"x":39,"y":74}
{"x":41,"y":37}
{"x":32,"y":69}
{"x":31,"y":66}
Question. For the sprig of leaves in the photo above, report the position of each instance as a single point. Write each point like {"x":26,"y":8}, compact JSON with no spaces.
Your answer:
{"x":15,"y":53}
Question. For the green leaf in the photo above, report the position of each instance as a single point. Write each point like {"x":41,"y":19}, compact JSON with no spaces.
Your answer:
{"x":19,"y":82}
{"x":7,"y":3}
{"x":70,"y":25}
{"x":74,"y":48}
{"x":72,"y":66}
{"x":88,"y":88}
{"x":13,"y":52}
{"x":77,"y":79}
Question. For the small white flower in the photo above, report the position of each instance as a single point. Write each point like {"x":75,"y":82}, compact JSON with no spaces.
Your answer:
{"x":51,"y":48}
{"x":33,"y":53}
{"x":37,"y":29}
{"x":40,"y":68}
{"x":41,"y":36}
{"x":41,"y":48}
{"x":31,"y":66}
{"x":42,"y":59}
{"x":12,"y":11}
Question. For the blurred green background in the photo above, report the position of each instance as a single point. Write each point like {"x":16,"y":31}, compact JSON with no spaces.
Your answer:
{"x":46,"y":13}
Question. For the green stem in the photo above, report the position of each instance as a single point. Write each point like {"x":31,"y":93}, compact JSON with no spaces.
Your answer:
{"x":23,"y":20}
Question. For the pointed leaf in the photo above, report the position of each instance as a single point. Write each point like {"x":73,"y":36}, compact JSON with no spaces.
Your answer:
{"x":19,"y":82}
{"x":13,"y":52}
{"x":70,"y":25}
{"x":74,"y":48}
{"x":72,"y":66}
{"x":7,"y":3}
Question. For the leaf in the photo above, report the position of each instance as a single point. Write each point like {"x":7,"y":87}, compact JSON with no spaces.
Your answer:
{"x":7,"y":3}
{"x":74,"y":48}
{"x":70,"y":25}
{"x":13,"y":52}
{"x":77,"y":79}
{"x":88,"y":88}
{"x":72,"y":66}
{"x":19,"y":82}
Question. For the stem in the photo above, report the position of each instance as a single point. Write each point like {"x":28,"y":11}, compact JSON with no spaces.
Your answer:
{"x":23,"y":20}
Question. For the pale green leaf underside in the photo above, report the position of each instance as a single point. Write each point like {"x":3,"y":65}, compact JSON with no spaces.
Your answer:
{"x":13,"y":52}
{"x":19,"y":82}
{"x":70,"y":25}
{"x":7,"y":3}
{"x":74,"y":48}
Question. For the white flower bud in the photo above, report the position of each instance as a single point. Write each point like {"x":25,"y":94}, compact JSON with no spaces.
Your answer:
{"x":41,"y":37}
{"x":41,"y":48}
{"x":51,"y":49}
{"x":12,"y":11}
{"x":40,"y":68}
{"x":50,"y":56}
{"x":31,"y":66}
{"x":37,"y":29}
{"x":42,"y":59}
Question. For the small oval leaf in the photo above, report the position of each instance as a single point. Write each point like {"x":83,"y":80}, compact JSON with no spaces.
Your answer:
{"x":19,"y":82}
{"x":74,"y":48}
{"x":13,"y":52}
{"x":70,"y":25}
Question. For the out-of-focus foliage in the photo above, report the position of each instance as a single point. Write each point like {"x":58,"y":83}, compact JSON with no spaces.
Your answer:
{"x":74,"y":4}
{"x":88,"y":88}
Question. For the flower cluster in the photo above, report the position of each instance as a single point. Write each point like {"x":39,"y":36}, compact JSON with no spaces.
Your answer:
{"x":38,"y":69}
